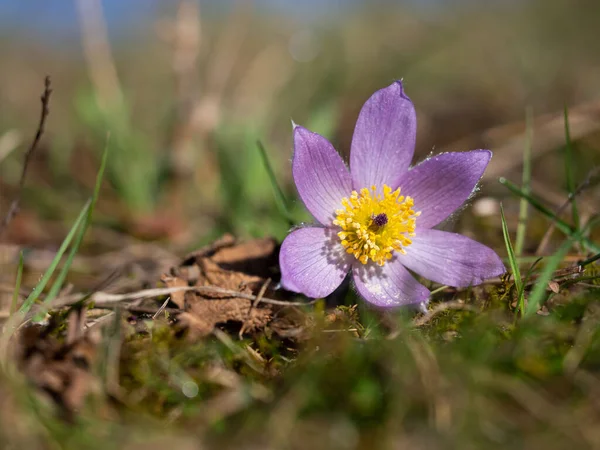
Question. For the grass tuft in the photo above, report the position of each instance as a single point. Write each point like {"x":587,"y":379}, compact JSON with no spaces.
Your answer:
{"x":514,"y":264}
{"x":39,"y":287}
{"x":62,"y":276}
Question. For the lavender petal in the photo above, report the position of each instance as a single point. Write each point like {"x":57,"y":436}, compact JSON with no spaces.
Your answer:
{"x":321,"y":176}
{"x":440,"y":185}
{"x":313,"y":262}
{"x":388,"y":286}
{"x":384,"y":138}
{"x":451,"y":258}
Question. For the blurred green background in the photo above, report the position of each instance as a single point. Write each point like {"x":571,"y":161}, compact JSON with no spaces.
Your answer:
{"x":185,"y":89}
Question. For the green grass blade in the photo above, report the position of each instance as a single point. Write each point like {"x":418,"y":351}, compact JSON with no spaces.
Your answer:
{"x":60,"y":279}
{"x":590,"y":260}
{"x":35,"y":294}
{"x":514,"y":266}
{"x":560,"y":224}
{"x":530,"y":271}
{"x":569,"y":172}
{"x":526,"y":186}
{"x":15,"y":299}
{"x":539,"y":290}
{"x":282,"y":203}
{"x":591,"y":223}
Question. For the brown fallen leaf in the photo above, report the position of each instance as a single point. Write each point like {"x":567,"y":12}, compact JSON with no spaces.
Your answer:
{"x":62,"y":370}
{"x":245,"y":267}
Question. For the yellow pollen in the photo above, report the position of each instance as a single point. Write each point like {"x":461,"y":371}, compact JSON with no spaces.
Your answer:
{"x":373,"y":226}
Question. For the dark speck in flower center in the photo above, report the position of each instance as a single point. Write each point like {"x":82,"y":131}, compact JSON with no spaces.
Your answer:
{"x":380,"y":219}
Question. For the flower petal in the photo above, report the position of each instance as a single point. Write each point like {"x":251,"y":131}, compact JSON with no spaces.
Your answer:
{"x":440,"y":185}
{"x":451,"y":258}
{"x":384,"y":138}
{"x":313,"y":262}
{"x":388,"y":286}
{"x":321,"y":176}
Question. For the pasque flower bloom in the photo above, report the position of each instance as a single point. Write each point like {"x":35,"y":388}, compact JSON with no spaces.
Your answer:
{"x":376,"y":220}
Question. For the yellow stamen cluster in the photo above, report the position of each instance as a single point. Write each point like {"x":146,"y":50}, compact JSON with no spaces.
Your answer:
{"x":374,"y":225}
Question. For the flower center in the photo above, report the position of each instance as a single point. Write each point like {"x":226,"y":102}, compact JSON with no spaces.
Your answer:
{"x":374,"y":225}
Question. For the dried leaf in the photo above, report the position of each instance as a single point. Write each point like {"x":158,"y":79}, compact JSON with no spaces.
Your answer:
{"x":243,"y":267}
{"x":554,"y":286}
{"x":61,"y":369}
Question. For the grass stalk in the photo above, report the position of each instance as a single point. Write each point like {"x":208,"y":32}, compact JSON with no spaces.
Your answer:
{"x":526,"y":186}
{"x":569,"y":172}
{"x":15,"y":299}
{"x":514,"y":265}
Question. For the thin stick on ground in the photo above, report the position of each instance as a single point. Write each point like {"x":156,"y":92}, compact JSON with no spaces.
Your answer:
{"x":560,"y":273}
{"x":13,"y":209}
{"x":161,"y":309}
{"x":261,"y":293}
{"x":255,"y":302}
{"x":102,"y":299}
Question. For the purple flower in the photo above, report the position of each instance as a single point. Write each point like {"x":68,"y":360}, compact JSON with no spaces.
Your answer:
{"x":377,"y":219}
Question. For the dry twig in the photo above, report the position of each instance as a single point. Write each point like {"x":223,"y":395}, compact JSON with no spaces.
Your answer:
{"x":14,"y":206}
{"x":104,"y":300}
{"x":255,"y":303}
{"x":161,"y":309}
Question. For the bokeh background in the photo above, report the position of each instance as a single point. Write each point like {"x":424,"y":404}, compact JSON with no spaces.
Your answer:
{"x":182,"y":91}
